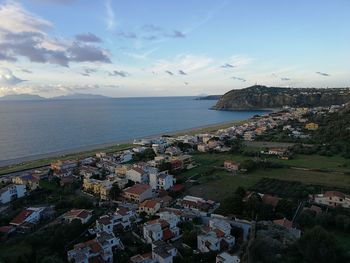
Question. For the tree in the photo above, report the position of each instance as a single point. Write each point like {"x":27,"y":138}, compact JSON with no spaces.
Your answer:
{"x":115,"y":192}
{"x":317,"y":245}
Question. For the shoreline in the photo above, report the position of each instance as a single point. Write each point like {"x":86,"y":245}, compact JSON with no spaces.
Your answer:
{"x":37,"y":160}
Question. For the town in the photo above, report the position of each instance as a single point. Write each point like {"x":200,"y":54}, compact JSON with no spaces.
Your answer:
{"x":228,"y":195}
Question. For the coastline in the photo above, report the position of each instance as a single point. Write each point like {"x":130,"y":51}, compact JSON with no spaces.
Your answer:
{"x":40,"y":160}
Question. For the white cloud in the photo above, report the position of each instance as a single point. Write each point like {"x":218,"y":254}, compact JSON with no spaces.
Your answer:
{"x":7,"y":78}
{"x":110,"y":16}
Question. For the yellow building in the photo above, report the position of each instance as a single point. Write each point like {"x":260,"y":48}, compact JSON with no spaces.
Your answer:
{"x":28,"y":180}
{"x":311,"y":126}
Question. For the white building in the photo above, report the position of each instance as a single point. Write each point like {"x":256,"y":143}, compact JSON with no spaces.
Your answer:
{"x":11,"y":192}
{"x":160,"y":229}
{"x":162,"y":180}
{"x":137,"y":175}
{"x":163,"y":252}
{"x":333,"y":198}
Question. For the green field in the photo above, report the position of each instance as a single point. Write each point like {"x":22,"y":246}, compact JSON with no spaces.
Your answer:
{"x":217,"y":184}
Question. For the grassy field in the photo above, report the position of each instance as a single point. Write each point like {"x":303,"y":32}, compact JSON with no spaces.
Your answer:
{"x":217,"y":184}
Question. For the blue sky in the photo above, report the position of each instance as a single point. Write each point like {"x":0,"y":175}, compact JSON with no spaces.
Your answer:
{"x":171,"y":48}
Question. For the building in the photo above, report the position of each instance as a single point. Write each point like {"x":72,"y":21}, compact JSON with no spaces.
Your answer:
{"x":225,"y":257}
{"x":311,"y":126}
{"x":150,"y":207}
{"x":138,"y":193}
{"x":28,"y":180}
{"x":333,"y":199}
{"x":11,"y":192}
{"x":61,"y":166}
{"x":285,"y":223}
{"x":249,"y":136}
{"x":80,"y":214}
{"x":88,"y":171}
{"x":163,"y":252}
{"x":99,"y":249}
{"x":197,"y":203}
{"x":162,"y":181}
{"x":29,"y":215}
{"x":231,"y":165}
{"x":137,"y":175}
{"x":160,"y":229}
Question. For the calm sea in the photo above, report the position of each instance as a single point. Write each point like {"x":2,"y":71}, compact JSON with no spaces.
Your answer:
{"x":29,"y":128}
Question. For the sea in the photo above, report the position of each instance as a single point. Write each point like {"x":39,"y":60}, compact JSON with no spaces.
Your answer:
{"x":30,"y":129}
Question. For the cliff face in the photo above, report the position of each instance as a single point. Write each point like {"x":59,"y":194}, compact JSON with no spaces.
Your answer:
{"x":262,"y":97}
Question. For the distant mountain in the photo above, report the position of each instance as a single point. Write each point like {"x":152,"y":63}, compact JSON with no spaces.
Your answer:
{"x":77,"y":96}
{"x":262,"y":97}
{"x":16,"y":97}
{"x":80,"y":96}
{"x":209,"y":97}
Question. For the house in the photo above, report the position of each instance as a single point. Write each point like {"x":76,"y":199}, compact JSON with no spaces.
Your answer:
{"x":163,"y":252}
{"x":311,"y":126}
{"x":197,"y":203}
{"x":162,"y":181}
{"x":216,"y":236}
{"x":249,"y":136}
{"x":121,"y":170}
{"x":28,"y":180}
{"x":270,"y":200}
{"x":160,"y":229}
{"x":231,"y":165}
{"x":225,"y":257}
{"x":137,"y":175}
{"x":314,"y":208}
{"x":288,"y":225}
{"x":150,"y":206}
{"x":333,"y":199}
{"x":88,"y":171}
{"x":61,"y":166}
{"x":80,"y":214}
{"x":278,"y":151}
{"x":202,"y":148}
{"x":11,"y":192}
{"x":29,"y":215}
{"x":138,"y":193}
{"x":124,"y":217}
{"x":98,"y":187}
{"x":99,"y":249}
{"x":67,"y":180}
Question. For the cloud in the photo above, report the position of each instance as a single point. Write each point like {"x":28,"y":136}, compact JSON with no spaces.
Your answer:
{"x":323,"y":74}
{"x":63,"y":2}
{"x":88,"y":71}
{"x":47,"y":89}
{"x":176,"y":34}
{"x":169,"y":72}
{"x":240,"y":79}
{"x":285,"y":79}
{"x":26,"y":71}
{"x":152,"y":28}
{"x":186,"y":83}
{"x":79,"y":52}
{"x":130,"y":35}
{"x":15,"y":19}
{"x":227,"y":65}
{"x":117,"y":73}
{"x":110,"y":16}
{"x":23,"y":34}
{"x":7,"y":78}
{"x":88,"y":37}
{"x":181,"y":72}
{"x":187,"y":62}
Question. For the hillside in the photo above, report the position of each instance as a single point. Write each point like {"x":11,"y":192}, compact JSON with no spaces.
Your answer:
{"x":262,"y":97}
{"x":20,"y":97}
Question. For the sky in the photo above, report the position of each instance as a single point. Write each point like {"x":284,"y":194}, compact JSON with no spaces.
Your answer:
{"x":128,"y":48}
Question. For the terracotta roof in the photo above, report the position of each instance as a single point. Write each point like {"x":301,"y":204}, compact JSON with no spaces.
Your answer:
{"x":149,"y":203}
{"x":137,"y":189}
{"x":21,"y":217}
{"x":122,"y":211}
{"x":138,"y":169}
{"x":6,"y":229}
{"x":167,"y":234}
{"x":270,"y":200}
{"x":94,"y":246}
{"x":283,"y":222}
{"x":78,"y":213}
{"x":177,"y":187}
{"x":219,"y":233}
